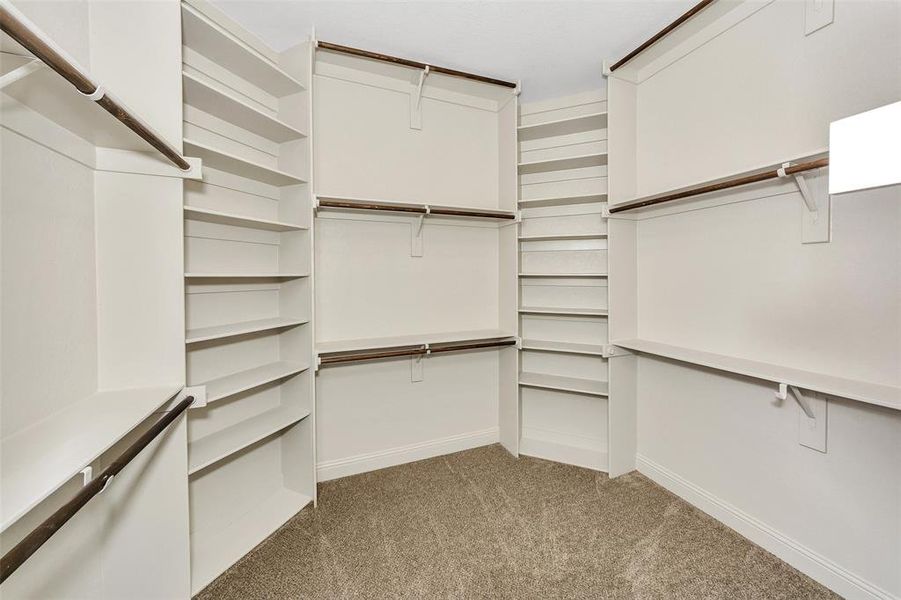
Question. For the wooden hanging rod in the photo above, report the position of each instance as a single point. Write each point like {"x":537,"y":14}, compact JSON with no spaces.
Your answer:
{"x":412,"y":63}
{"x":14,"y":559}
{"x":662,"y":33}
{"x":420,"y":209}
{"x":21,"y":30}
{"x":743,"y":179}
{"x":331,"y":358}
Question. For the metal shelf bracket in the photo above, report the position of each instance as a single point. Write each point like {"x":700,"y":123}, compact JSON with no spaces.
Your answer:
{"x":798,"y":395}
{"x":815,"y":222}
{"x":416,"y":100}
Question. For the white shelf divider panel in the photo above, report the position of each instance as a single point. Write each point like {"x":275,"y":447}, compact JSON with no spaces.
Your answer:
{"x":862,"y":391}
{"x":209,"y":39}
{"x":39,"y":459}
{"x":559,"y":310}
{"x":577,"y":385}
{"x":566,"y":126}
{"x":217,"y":550}
{"x":563,"y":347}
{"x":223,"y":218}
{"x":408,"y":340}
{"x":219,"y":102}
{"x":597,"y":159}
{"x":218,"y":332}
{"x":211,"y":449}
{"x":235,"y":383}
{"x":224,"y":161}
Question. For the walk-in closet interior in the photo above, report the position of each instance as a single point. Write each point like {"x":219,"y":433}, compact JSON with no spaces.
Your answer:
{"x":309,"y":299}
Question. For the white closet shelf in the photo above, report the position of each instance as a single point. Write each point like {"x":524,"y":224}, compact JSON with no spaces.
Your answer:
{"x":48,"y":94}
{"x":39,"y":459}
{"x":221,"y":103}
{"x":556,"y":310}
{"x":235,"y":383}
{"x":562,"y":200}
{"x":201,"y":34}
{"x":409,"y":340}
{"x":852,"y":389}
{"x":223,"y":218}
{"x":557,"y":127}
{"x":270,"y":276}
{"x":563,"y":236}
{"x":213,"y":448}
{"x":219,"y":332}
{"x":563,"y":347}
{"x":220,"y":548}
{"x":596,"y":159}
{"x":578,"y":385}
{"x":223,"y":161}
{"x":563,"y":275}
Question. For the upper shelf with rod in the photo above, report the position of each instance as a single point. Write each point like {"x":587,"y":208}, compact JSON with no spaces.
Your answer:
{"x":789,"y":169}
{"x":326,"y":202}
{"x":75,"y":105}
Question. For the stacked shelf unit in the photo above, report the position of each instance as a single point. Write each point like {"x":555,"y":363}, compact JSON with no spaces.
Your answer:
{"x":563,"y":314}
{"x":248,"y":294}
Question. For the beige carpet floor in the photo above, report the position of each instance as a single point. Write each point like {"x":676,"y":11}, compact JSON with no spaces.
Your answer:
{"x":481,"y":524}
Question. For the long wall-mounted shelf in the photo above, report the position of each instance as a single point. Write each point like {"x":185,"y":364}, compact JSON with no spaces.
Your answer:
{"x":552,"y":310}
{"x":562,"y":200}
{"x":218,"y":332}
{"x":224,"y":161}
{"x":577,"y":385}
{"x":194,"y":213}
{"x":38,"y":460}
{"x":244,"y":277}
{"x":328,"y":202}
{"x":871,"y":393}
{"x":249,"y":379}
{"x":565,"y":126}
{"x":597,"y":159}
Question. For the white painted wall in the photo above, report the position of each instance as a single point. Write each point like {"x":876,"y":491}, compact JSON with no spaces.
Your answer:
{"x":735,"y":279}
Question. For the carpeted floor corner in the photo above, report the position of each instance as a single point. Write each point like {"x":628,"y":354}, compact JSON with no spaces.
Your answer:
{"x":482,"y":524}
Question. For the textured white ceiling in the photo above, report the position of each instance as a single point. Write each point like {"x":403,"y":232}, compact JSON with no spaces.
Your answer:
{"x":554,"y":47}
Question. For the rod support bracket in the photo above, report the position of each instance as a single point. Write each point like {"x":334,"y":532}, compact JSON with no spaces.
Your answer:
{"x":87,"y":474}
{"x":95,"y":96}
{"x":416,"y":233}
{"x":416,"y":100}
{"x":799,"y":397}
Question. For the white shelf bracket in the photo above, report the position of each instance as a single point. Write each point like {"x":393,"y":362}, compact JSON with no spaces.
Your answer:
{"x":416,"y":364}
{"x":87,"y":474}
{"x":798,"y":395}
{"x":416,"y":233}
{"x":21,"y":72}
{"x":416,"y":100}
{"x":816,"y":220}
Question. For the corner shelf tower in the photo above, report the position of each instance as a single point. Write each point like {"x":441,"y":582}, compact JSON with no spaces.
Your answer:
{"x":563,"y":313}
{"x":248,"y":295}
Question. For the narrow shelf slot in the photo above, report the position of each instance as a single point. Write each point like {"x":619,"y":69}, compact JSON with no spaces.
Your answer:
{"x":557,"y":310}
{"x":209,"y":39}
{"x":560,"y":164}
{"x":211,"y":449}
{"x":567,"y":126}
{"x":222,"y":218}
{"x":563,"y":347}
{"x":219,"y":332}
{"x":562,"y":200}
{"x":220,"y":103}
{"x":577,"y":385}
{"x":223,"y":161}
{"x":852,"y":389}
{"x":563,"y":236}
{"x":235,"y":383}
{"x":245,"y":276}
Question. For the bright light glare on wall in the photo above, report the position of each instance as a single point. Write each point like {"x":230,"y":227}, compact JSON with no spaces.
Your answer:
{"x":865,"y":150}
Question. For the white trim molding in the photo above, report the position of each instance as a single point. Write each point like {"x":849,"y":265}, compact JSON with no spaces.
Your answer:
{"x":362,"y":463}
{"x":809,"y":562}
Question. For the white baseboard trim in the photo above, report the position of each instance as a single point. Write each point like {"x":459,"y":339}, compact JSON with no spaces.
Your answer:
{"x":361,"y":463}
{"x":809,"y":562}
{"x":562,"y":453}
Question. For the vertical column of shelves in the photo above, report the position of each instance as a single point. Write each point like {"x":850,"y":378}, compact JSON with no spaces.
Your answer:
{"x":248,"y":290}
{"x":563,"y":308}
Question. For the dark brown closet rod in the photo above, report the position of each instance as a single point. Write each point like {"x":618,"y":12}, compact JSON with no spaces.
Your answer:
{"x":414,"y":208}
{"x":329,"y":358}
{"x":13,"y":559}
{"x":32,"y":41}
{"x":725,"y":185}
{"x":412,"y":63}
{"x":662,"y":33}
